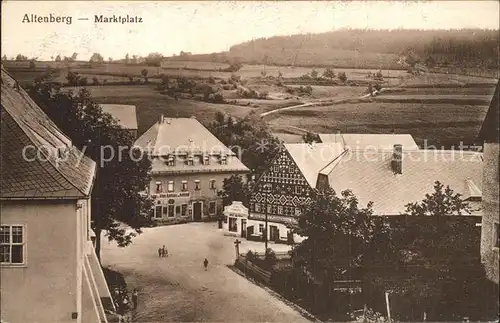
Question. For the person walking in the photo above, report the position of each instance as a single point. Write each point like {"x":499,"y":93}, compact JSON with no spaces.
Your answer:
{"x":159,"y":253}
{"x":135,"y":296}
{"x":205,"y":263}
{"x":163,"y":251}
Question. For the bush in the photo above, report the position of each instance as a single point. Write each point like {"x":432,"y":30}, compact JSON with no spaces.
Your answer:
{"x":95,"y":81}
{"x":342,"y":76}
{"x":83,"y":81}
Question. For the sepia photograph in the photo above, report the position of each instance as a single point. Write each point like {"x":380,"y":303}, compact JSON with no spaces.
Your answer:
{"x":249,"y":161}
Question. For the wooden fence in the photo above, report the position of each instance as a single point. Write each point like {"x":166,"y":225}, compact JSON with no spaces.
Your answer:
{"x":252,"y":270}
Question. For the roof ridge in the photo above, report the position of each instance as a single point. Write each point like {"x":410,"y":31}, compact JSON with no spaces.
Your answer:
{"x":339,"y":156}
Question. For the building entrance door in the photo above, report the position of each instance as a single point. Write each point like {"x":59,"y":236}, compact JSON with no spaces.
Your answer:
{"x":274,"y":233}
{"x":197,"y":211}
{"x":243,"y":228}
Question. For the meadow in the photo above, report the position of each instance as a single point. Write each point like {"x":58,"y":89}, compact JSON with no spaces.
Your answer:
{"x":440,"y":123}
{"x":442,"y":108}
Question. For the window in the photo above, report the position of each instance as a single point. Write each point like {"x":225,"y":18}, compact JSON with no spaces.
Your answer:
{"x":206,"y":159}
{"x":496,"y":237}
{"x":197,"y":185}
{"x":297,"y":211}
{"x":158,"y":187}
{"x":212,"y":206}
{"x":269,"y":208}
{"x":184,"y":209}
{"x":12,"y":244}
{"x":261,"y":228}
{"x":190,"y":160}
{"x":184,"y":186}
{"x":171,"y":209}
{"x":298,"y":189}
{"x":280,"y":210}
{"x":165,"y":211}
{"x":223,"y":160}
{"x":170,"y":186}
{"x":212,"y":184}
{"x":257,"y":207}
{"x":276,"y":168}
{"x":171,"y":160}
{"x":178,"y":210}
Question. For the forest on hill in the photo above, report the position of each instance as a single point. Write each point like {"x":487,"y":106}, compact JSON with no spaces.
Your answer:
{"x":356,"y":48}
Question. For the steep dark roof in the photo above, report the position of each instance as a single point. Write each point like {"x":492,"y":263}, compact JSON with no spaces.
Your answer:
{"x":59,"y":170}
{"x":489,"y":130}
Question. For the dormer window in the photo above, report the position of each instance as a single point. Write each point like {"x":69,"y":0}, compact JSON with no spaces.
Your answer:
{"x":206,"y":159}
{"x":190,"y":160}
{"x":171,"y":160}
{"x":223,"y":160}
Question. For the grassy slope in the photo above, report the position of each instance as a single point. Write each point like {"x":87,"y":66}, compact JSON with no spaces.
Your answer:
{"x":441,"y":124}
{"x":150,"y":104}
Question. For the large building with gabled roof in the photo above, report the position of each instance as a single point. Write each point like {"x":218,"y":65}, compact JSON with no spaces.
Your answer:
{"x":48,"y":267}
{"x":377,"y":168}
{"x":189,"y":165}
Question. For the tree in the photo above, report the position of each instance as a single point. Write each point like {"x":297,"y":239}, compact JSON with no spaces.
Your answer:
{"x":4,"y":57}
{"x":154,"y":59}
{"x":96,"y":58}
{"x":144,"y":73}
{"x":116,"y":194}
{"x":342,"y":77}
{"x":74,"y":56}
{"x":234,"y":189}
{"x":329,"y":73}
{"x":95,"y":80}
{"x":314,"y":74}
{"x":20,"y":57}
{"x":58,"y":58}
{"x":310,"y":138}
{"x":110,"y":59}
{"x":250,"y":138}
{"x":32,"y":65}
{"x":338,"y":233}
{"x":73,"y":78}
{"x":438,"y":248}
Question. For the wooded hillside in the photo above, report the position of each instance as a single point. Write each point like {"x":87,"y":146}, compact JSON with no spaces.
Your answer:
{"x":368,"y":49}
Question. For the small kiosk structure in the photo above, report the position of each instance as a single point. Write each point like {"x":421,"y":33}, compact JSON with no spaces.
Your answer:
{"x":235,"y":219}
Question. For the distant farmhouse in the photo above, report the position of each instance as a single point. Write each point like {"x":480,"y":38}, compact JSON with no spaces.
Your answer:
{"x":124,"y":114}
{"x":189,"y":165}
{"x":49,"y":270}
{"x":376,"y":168}
{"x":490,"y":239}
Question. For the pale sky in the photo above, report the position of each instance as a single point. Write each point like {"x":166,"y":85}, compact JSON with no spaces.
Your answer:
{"x":205,"y":27}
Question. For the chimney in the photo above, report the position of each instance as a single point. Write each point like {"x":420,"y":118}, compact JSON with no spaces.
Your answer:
{"x":161,"y":118}
{"x":397,"y":159}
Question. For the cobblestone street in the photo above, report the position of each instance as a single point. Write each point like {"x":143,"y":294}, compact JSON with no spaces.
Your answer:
{"x":177,"y":288}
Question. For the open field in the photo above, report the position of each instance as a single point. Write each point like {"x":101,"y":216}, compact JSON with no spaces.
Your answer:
{"x":437,"y":98}
{"x":457,"y":91}
{"x":150,"y":104}
{"x":448,"y":80}
{"x":440,"y":124}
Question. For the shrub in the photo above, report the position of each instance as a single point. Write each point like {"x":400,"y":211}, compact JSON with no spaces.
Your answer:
{"x":83,"y":81}
{"x":95,"y":80}
{"x":211,"y":80}
{"x":342,"y":76}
